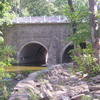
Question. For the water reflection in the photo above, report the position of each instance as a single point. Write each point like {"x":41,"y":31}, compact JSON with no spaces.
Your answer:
{"x":23,"y":68}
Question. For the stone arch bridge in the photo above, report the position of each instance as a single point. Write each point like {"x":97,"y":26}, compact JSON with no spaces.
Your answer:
{"x":39,"y":43}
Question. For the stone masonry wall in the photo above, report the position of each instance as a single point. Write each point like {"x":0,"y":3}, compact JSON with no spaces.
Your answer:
{"x":49,"y":35}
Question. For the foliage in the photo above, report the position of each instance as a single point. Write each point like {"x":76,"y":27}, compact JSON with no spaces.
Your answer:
{"x":6,"y":93}
{"x":6,"y":14}
{"x":6,"y":58}
{"x":6,"y":55}
{"x":60,"y":5}
{"x":6,"y":52}
{"x":41,"y":7}
{"x":86,"y":61}
{"x":32,"y":94}
{"x":1,"y":40}
{"x":32,"y":7}
{"x":80,"y":16}
{"x":27,"y":72}
{"x":16,"y":6}
{"x":39,"y":76}
{"x":86,"y":97}
{"x":38,"y":7}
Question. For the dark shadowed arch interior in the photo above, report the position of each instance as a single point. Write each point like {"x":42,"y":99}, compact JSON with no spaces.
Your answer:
{"x":83,"y":45}
{"x":66,"y":55}
{"x":33,"y":54}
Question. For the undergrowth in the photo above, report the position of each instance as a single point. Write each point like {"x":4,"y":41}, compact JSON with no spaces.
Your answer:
{"x":85,"y":61}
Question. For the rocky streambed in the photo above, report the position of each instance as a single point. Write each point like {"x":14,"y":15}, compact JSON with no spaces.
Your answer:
{"x":57,"y":83}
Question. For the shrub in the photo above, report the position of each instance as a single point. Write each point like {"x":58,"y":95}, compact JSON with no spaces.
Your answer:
{"x":6,"y":58}
{"x":86,"y":61}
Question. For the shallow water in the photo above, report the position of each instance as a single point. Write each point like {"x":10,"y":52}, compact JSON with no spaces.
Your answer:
{"x":23,"y":68}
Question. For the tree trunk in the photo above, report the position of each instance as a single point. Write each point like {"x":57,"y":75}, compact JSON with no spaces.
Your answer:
{"x":74,"y":30}
{"x":95,"y":29}
{"x":72,"y":21}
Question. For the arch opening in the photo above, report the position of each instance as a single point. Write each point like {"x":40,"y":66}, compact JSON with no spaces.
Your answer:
{"x":66,"y":55}
{"x":33,"y":54}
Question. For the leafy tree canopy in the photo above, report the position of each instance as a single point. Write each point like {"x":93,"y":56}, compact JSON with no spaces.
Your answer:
{"x":80,"y":16}
{"x":60,"y":5}
{"x":38,"y":7}
{"x":6,"y":14}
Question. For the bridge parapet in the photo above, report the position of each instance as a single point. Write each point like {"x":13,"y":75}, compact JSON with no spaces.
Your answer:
{"x":41,"y":19}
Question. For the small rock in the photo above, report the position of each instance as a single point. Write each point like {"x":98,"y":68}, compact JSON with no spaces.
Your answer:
{"x":95,"y":78}
{"x":35,"y":79}
{"x":64,"y":65}
{"x":65,"y":74}
{"x":73,"y":76}
{"x":96,"y":92}
{"x":43,"y":96}
{"x":97,"y":81}
{"x":73,"y":80}
{"x":80,"y":89}
{"x":96,"y":96}
{"x":36,"y":91}
{"x":85,"y":75}
{"x":44,"y":65}
{"x":33,"y":75}
{"x":65,"y":98}
{"x":94,"y":88}
{"x":79,"y":73}
{"x":54,"y":81}
{"x":81,"y":82}
{"x":91,"y":84}
{"x":38,"y":84}
{"x":46,"y":71}
{"x":49,"y":94}
{"x":48,"y":85}
{"x":54,"y":77}
{"x":19,"y":77}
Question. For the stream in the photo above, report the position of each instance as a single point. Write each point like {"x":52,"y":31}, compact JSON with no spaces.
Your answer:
{"x":25,"y":70}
